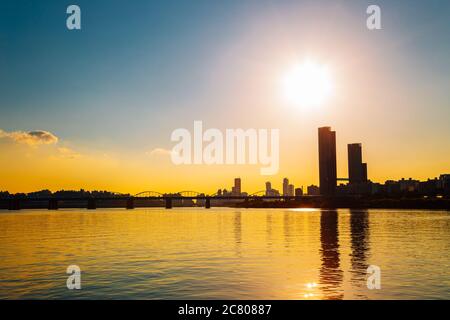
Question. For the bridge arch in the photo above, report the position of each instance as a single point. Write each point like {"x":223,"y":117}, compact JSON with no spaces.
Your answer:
{"x":190,"y":193}
{"x":145,"y":194}
{"x":258,"y":193}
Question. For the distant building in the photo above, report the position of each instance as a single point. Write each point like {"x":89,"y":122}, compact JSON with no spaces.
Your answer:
{"x":445,"y":183}
{"x":271,"y":192}
{"x":313,"y":190}
{"x":41,"y":194}
{"x":298,"y":192}
{"x":409,"y":185}
{"x":430,"y":187}
{"x":236,"y":189}
{"x":268,"y":188}
{"x":392,"y":187}
{"x":285,"y":187}
{"x":291,"y":190}
{"x":274,"y":193}
{"x":327,"y":161}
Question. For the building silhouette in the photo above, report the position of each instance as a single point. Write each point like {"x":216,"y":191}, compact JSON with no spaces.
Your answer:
{"x":268,"y":188}
{"x":327,"y":161}
{"x":269,"y":191}
{"x":313,"y":190}
{"x":357,"y":170}
{"x":236,"y":190}
{"x":285,"y":187}
{"x":291,"y":191}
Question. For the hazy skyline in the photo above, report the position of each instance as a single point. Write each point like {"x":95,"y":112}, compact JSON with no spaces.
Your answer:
{"x":112,"y":93}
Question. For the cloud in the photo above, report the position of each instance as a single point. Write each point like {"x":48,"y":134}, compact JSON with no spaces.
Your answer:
{"x":159,"y":152}
{"x":68,"y":153}
{"x":31,"y":138}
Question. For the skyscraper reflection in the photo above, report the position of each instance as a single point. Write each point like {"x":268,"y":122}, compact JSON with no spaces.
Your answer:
{"x":331,"y":275}
{"x":269,"y":227}
{"x":287,"y":228}
{"x":359,"y":233}
{"x":237,"y":228}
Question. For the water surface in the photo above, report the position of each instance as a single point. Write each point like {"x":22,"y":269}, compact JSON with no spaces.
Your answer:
{"x":224,"y":253}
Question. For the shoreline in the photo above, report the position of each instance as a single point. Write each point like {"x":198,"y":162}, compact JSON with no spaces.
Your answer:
{"x":362,"y":204}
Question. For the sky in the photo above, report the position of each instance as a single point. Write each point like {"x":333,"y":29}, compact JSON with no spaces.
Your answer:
{"x":95,"y":108}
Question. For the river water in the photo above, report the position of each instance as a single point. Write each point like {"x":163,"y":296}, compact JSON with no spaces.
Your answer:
{"x":225,"y":253}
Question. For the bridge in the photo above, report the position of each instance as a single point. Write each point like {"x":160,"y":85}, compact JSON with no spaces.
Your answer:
{"x":163,"y":199}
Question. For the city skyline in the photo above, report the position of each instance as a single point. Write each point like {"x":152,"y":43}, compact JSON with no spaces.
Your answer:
{"x":357,"y":180}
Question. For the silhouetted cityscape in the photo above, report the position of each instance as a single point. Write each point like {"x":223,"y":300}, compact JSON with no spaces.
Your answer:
{"x":358,"y":184}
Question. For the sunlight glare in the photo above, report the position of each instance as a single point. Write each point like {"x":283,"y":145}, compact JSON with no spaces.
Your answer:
{"x":307,"y":84}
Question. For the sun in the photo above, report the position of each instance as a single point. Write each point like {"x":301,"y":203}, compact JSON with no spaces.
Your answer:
{"x":307,"y":84}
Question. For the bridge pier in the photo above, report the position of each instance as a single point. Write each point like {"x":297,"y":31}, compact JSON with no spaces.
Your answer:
{"x":168,"y":203}
{"x":130,"y":203}
{"x":91,"y":205}
{"x":207,"y":203}
{"x":14,"y":204}
{"x":53,"y":204}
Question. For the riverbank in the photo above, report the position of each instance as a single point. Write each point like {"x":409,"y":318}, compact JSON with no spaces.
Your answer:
{"x":353,"y":203}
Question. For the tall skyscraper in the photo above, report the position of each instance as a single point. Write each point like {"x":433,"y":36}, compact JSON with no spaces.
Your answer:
{"x":285,"y":187}
{"x":268,"y":188}
{"x":327,"y":161}
{"x":357,"y":170}
{"x":364,"y":172}
{"x":291,"y":189}
{"x":237,"y":186}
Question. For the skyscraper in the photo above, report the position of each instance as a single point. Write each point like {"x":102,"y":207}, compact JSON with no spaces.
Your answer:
{"x":268,"y":188}
{"x":364,"y":172}
{"x":237,"y":186}
{"x":291,"y":189}
{"x":357,"y":170}
{"x":285,"y":187}
{"x":327,"y":161}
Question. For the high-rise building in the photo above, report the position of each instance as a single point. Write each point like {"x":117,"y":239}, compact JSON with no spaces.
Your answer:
{"x":357,"y":170}
{"x":271,"y":192}
{"x":291,"y":190}
{"x":298,"y":192}
{"x":364,"y":172}
{"x":327,"y":161}
{"x":313,"y":190}
{"x":237,"y":186}
{"x":285,"y":187}
{"x":268,"y":188}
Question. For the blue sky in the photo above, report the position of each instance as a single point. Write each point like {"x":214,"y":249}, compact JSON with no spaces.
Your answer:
{"x":138,"y":70}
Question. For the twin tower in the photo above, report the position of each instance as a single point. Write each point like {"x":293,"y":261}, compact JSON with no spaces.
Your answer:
{"x":357,"y":170}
